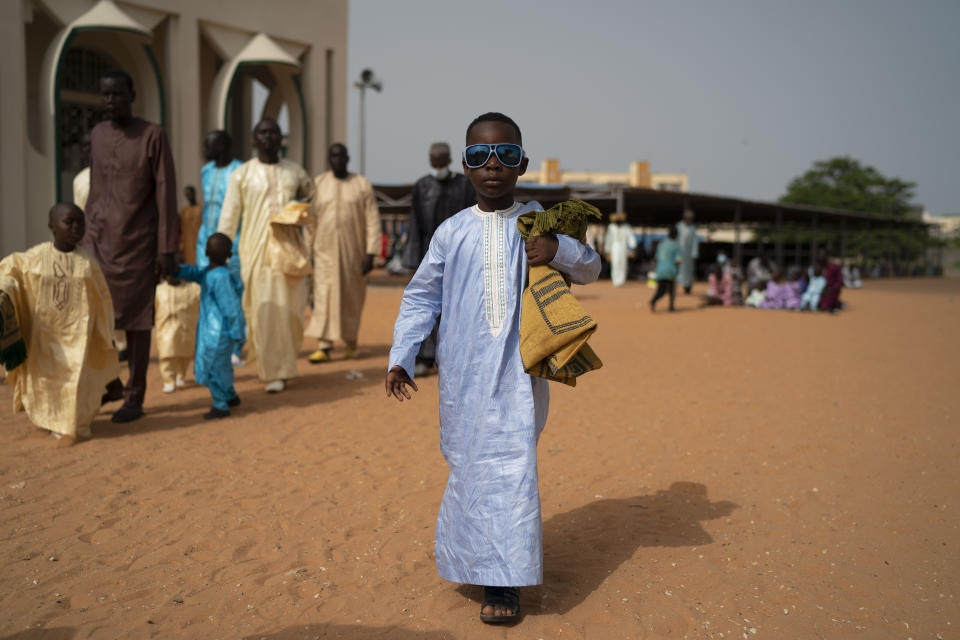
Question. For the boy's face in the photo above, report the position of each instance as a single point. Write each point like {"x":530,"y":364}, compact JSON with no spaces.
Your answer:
{"x":218,"y":250}
{"x":493,"y":182}
{"x":68,"y":226}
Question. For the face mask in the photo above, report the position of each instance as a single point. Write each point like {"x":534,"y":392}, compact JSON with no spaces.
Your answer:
{"x":440,"y":174}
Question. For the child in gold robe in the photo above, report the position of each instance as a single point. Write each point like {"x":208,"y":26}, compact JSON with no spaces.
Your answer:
{"x":177,"y":308}
{"x":55,"y":309}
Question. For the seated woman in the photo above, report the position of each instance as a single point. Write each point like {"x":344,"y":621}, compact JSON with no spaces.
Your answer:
{"x":833,"y":274}
{"x":810,"y":301}
{"x":798,"y":282}
{"x":720,"y":289}
{"x":780,"y":294}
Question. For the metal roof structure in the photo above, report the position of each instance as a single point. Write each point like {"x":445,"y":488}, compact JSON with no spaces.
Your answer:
{"x":655,"y":208}
{"x":659,"y":208}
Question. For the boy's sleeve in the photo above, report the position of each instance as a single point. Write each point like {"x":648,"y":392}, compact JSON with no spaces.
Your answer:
{"x":228,"y":302}
{"x":190,"y":272}
{"x":577,"y":260}
{"x":422,"y":300}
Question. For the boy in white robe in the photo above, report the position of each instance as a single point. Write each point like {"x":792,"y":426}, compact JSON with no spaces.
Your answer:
{"x":55,"y":309}
{"x":489,"y":530}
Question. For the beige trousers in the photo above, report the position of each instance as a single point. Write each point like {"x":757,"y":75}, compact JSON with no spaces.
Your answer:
{"x":173,"y":368}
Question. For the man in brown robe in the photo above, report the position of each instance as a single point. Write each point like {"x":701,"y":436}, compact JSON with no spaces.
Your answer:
{"x":132,"y":223}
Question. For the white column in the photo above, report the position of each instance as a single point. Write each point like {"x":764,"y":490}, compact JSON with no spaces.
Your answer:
{"x":184,"y":109}
{"x":13,"y":130}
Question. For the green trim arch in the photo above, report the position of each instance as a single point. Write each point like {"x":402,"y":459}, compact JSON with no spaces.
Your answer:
{"x":297,"y":87}
{"x":57,"y":71}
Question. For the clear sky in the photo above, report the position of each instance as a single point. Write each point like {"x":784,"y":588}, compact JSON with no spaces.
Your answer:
{"x":741,"y":95}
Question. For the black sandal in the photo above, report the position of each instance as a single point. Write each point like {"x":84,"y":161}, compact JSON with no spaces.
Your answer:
{"x":508,"y":597}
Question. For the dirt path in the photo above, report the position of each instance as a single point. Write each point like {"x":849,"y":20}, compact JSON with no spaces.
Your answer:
{"x":729,"y":473}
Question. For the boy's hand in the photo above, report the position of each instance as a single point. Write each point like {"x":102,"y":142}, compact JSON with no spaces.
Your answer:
{"x":541,"y":249}
{"x":396,"y":384}
{"x":166,"y":265}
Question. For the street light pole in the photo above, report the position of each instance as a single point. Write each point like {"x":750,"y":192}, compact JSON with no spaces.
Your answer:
{"x":368,"y":80}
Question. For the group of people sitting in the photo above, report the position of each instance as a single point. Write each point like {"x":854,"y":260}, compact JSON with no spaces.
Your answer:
{"x":770,"y":287}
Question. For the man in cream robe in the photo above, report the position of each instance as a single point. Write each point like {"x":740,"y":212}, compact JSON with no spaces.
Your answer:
{"x":619,"y":243}
{"x":346,"y":240}
{"x":273,"y":302}
{"x":65,"y":315}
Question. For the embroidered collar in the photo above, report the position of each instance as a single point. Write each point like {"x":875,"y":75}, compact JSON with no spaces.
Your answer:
{"x":500,"y":212}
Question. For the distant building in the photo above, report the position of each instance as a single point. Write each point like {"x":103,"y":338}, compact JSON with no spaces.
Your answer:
{"x":197,"y":65}
{"x":949,"y":224}
{"x":639,"y":175}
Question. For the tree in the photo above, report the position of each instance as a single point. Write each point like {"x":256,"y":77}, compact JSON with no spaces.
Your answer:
{"x":843,"y":183}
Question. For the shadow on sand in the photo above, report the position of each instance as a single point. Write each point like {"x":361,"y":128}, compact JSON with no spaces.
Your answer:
{"x":318,"y":384}
{"x":299,"y":632}
{"x":585,"y":545}
{"x":350,"y":632}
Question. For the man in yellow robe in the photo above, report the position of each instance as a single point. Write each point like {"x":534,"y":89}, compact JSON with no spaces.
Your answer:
{"x":273,"y":302}
{"x":346,"y":239}
{"x":61,"y":306}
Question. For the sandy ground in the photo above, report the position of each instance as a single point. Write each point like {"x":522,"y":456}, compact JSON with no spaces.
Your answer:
{"x":729,"y":473}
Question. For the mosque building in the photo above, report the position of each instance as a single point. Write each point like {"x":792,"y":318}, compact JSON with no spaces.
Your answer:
{"x":197,"y":65}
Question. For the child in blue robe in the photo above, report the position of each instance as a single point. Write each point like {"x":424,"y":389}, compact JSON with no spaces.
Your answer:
{"x":489,"y":530}
{"x":221,"y":328}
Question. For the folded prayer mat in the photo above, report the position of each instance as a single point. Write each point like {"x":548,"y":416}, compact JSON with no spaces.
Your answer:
{"x":554,"y":326}
{"x":287,"y":250}
{"x":13,"y":350}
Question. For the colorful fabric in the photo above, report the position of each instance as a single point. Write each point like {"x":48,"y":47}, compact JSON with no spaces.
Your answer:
{"x":721,"y":288}
{"x":830,"y":298}
{"x":214,"y":181}
{"x":780,"y":296}
{"x":489,"y":529}
{"x":220,"y":328}
{"x":667,"y":253}
{"x":65,"y":318}
{"x":554,"y":326}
